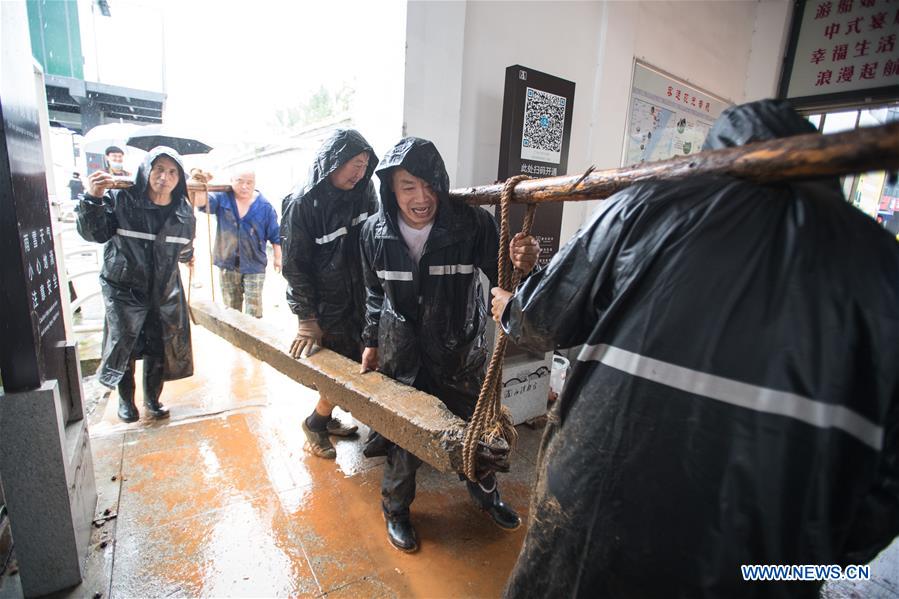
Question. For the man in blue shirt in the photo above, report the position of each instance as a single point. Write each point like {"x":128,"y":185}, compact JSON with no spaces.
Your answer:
{"x":246,"y":220}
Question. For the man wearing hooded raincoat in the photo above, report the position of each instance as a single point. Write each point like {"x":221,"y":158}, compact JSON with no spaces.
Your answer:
{"x":146,"y":231}
{"x":320,"y":242}
{"x":736,"y":399}
{"x":425,"y":309}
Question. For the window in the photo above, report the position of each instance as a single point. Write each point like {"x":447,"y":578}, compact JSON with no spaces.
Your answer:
{"x":876,"y":194}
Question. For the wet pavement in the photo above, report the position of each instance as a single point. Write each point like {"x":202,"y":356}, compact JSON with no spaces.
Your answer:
{"x":221,"y":500}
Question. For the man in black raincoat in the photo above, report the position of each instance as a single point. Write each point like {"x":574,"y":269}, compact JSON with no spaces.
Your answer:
{"x":425,"y":309}
{"x":320,"y":242}
{"x":736,"y":399}
{"x":147,"y":229}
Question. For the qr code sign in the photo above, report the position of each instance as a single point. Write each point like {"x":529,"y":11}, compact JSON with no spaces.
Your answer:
{"x":544,"y":123}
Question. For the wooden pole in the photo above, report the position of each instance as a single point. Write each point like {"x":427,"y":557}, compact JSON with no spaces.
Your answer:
{"x":800,"y":157}
{"x":209,"y":247}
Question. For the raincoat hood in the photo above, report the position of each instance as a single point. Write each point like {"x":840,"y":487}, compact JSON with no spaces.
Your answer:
{"x":320,"y":242}
{"x":756,"y":121}
{"x":421,"y":158}
{"x":141,"y":179}
{"x":336,"y":151}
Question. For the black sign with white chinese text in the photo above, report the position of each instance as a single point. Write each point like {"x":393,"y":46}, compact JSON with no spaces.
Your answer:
{"x":32,"y":333}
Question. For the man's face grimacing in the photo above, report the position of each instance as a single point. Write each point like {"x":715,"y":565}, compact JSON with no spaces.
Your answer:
{"x":244,"y":184}
{"x":416,"y":199}
{"x":164,"y":175}
{"x":351,"y":172}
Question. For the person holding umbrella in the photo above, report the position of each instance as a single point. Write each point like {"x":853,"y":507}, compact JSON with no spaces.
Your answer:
{"x":146,"y":230}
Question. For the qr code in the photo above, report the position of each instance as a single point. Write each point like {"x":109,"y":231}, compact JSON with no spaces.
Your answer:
{"x":544,"y":124}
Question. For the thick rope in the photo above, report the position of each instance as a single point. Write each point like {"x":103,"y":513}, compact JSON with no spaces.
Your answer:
{"x":490,"y":419}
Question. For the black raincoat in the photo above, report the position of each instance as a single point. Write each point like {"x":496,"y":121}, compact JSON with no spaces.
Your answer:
{"x":320,"y":241}
{"x":431,"y":315}
{"x":140,"y":279}
{"x":736,"y":400}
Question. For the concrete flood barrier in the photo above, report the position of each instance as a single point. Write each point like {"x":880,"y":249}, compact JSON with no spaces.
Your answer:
{"x":415,"y":420}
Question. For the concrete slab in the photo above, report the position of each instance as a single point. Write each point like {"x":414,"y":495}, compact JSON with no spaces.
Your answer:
{"x":416,"y":420}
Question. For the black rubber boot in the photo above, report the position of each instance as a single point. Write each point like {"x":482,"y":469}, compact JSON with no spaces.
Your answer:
{"x":486,"y":495}
{"x":127,"y":410}
{"x":401,"y":533}
{"x":153,"y":373}
{"x":376,"y":445}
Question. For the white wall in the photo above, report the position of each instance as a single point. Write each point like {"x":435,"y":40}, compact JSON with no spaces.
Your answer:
{"x":558,"y":38}
{"x":435,"y":39}
{"x":729,"y":48}
{"x":769,"y":40}
{"x":378,"y":108}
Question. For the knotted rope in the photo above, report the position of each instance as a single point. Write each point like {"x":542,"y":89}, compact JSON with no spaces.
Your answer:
{"x":490,"y":419}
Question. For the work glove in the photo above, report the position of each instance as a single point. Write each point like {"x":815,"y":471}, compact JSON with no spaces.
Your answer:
{"x":492,"y":457}
{"x":308,"y":339}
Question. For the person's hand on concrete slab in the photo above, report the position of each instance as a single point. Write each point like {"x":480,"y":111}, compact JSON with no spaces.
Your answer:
{"x":369,"y":360}
{"x":492,"y":457}
{"x":308,"y":339}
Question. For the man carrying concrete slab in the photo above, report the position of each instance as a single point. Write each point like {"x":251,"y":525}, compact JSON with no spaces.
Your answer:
{"x":425,"y":309}
{"x":320,"y":226}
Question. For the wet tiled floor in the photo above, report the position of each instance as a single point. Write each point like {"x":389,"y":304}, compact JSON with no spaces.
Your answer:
{"x":221,"y":500}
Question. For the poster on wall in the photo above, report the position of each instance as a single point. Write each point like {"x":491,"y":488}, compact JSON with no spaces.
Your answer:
{"x":667,"y":117}
{"x":842,"y":52}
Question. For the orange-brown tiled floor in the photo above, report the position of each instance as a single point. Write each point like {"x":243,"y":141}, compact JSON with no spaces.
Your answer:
{"x":221,"y":500}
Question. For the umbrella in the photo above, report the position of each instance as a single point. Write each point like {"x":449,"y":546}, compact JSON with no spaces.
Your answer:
{"x":97,"y":139}
{"x":151,"y":136}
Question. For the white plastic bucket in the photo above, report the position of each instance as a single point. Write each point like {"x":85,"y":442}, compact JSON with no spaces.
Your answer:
{"x":559,"y":374}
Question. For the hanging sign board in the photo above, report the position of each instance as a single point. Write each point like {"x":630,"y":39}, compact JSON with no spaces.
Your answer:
{"x":667,"y":117}
{"x":842,"y":52}
{"x":535,"y":134}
